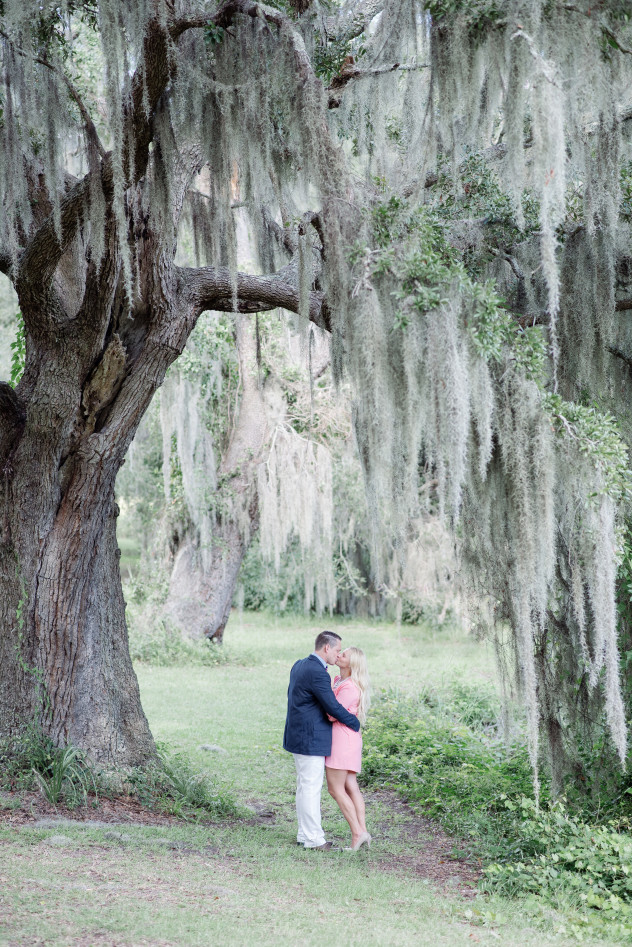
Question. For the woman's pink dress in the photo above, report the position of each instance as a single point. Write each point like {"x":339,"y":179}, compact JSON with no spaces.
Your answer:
{"x":346,"y":744}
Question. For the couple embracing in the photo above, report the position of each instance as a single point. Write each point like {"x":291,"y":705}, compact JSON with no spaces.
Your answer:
{"x":322,"y":731}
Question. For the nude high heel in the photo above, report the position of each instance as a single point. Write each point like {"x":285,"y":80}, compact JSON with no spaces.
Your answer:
{"x":365,"y":839}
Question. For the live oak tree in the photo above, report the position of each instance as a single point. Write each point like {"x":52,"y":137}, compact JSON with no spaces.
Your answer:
{"x":106,"y":311}
{"x":453,"y":176}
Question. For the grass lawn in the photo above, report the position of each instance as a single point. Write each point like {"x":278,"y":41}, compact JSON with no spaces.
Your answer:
{"x":247,"y":882}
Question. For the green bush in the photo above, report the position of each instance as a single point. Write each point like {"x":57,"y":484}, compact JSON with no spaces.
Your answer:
{"x":155,"y":641}
{"x":442,"y":753}
{"x":453,"y":769}
{"x":564,"y":859}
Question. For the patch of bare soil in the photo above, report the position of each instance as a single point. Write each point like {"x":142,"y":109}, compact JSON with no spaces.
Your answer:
{"x":31,"y":807}
{"x":429,"y":850}
{"x":28,"y":808}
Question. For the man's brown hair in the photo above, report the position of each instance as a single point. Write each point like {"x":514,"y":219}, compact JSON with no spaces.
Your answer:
{"x":326,"y":637}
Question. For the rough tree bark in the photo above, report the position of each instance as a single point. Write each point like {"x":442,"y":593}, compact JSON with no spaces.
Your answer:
{"x":93,"y":363}
{"x":200,"y":599}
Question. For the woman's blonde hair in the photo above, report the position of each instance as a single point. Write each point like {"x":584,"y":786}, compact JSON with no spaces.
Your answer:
{"x":360,"y":674}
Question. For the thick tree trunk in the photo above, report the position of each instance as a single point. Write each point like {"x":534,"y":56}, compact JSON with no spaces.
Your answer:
{"x":63,"y":639}
{"x":200,"y":598}
{"x":64,"y":649}
{"x":91,"y":371}
{"x":95,"y":354}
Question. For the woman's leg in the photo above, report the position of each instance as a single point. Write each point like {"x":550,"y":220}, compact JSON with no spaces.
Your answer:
{"x":353,"y":791}
{"x":336,"y":786}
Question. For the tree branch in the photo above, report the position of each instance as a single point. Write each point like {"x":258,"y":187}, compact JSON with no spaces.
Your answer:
{"x":209,"y":287}
{"x":226,"y":14}
{"x":45,"y":249}
{"x":90,"y":127}
{"x":627,"y":359}
{"x":353,"y":19}
{"x":339,"y":82}
{"x":6,"y":261}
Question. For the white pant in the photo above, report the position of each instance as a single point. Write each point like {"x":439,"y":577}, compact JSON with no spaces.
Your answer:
{"x":309,"y":782}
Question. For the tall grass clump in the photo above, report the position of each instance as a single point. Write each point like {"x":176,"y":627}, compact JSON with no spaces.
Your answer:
{"x":172,"y":786}
{"x":63,"y":775}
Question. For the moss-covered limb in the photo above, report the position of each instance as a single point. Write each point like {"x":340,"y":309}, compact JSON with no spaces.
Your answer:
{"x":514,"y":464}
{"x":90,"y":128}
{"x":212,"y":288}
{"x":353,"y":19}
{"x":46,"y":246}
{"x":352,"y":73}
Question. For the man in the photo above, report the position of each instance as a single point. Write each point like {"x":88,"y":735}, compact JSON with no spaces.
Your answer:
{"x":308,"y":733}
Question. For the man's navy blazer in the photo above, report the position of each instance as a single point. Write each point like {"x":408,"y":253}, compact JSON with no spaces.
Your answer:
{"x":309,"y":700}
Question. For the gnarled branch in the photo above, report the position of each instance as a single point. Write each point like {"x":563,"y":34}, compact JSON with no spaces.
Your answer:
{"x":45,"y":249}
{"x":209,"y":287}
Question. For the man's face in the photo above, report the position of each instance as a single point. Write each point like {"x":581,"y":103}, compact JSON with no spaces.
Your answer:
{"x":331,"y":652}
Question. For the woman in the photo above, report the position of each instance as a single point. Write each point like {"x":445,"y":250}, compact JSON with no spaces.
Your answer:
{"x":343,"y":764}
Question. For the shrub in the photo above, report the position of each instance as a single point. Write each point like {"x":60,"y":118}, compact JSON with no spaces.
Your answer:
{"x":174,"y":787}
{"x":563,"y":858}
{"x":442,"y":754}
{"x":152,"y":640}
{"x":457,"y":773}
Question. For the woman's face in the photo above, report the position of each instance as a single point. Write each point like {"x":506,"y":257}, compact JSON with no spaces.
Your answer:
{"x":343,"y":660}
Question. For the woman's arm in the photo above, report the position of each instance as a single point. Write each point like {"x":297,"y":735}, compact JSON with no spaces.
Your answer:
{"x":321,"y":689}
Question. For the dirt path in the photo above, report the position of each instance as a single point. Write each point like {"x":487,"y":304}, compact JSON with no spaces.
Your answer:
{"x":430,"y":849}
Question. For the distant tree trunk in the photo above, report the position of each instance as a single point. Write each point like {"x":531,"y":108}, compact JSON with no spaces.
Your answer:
{"x":200,"y":599}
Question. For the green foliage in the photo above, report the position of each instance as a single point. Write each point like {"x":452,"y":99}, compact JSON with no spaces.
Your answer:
{"x":263,"y":588}
{"x":210,"y":359}
{"x":412,"y":246}
{"x":49,"y":28}
{"x":495,"y":333}
{"x":596,"y":434}
{"x":330,"y":55}
{"x":66,"y":776}
{"x":213,"y":35}
{"x":479,"y":15}
{"x":625,"y":208}
{"x":164,"y":646}
{"x":563,"y":858}
{"x":62,"y":774}
{"x":478,"y":196}
{"x":172,"y":786}
{"x":18,"y":351}
{"x":442,"y":754}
